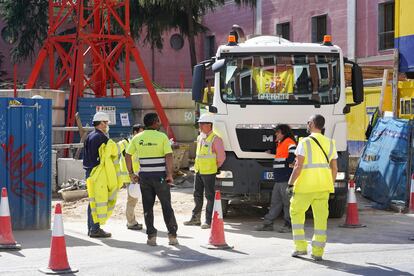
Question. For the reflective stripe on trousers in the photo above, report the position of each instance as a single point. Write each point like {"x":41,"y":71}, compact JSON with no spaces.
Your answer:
{"x":299,"y":204}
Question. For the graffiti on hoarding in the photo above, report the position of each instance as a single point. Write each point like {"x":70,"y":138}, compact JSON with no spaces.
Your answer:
{"x":20,"y":166}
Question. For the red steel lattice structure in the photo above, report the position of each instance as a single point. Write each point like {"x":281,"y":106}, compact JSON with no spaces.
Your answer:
{"x":93,"y":43}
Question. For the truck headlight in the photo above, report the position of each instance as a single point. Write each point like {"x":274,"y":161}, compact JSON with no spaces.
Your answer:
{"x":340,"y":176}
{"x":225,"y":174}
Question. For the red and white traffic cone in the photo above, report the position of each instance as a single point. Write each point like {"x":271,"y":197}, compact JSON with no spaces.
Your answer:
{"x":7,"y":241}
{"x":58,"y":261}
{"x":352,"y":218}
{"x":412,"y":194}
{"x":217,"y":240}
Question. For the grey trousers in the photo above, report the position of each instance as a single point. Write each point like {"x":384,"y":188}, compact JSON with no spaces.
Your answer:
{"x":280,"y":201}
{"x":204,"y":184}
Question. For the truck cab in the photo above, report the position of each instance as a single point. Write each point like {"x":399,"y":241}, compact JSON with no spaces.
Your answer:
{"x":265,"y":81}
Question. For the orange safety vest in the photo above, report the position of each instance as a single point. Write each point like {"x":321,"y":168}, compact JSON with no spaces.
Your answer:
{"x":282,"y":150}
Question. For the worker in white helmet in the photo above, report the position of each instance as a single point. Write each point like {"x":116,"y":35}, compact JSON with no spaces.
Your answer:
{"x":210,"y":156}
{"x":91,"y":159}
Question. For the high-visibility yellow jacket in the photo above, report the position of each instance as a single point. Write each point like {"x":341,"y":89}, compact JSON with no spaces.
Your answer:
{"x":316,"y":173}
{"x":104,"y":182}
{"x":205,"y":161}
{"x":123,"y":145}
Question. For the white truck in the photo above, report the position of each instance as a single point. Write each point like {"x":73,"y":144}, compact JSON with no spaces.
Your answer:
{"x":265,"y":81}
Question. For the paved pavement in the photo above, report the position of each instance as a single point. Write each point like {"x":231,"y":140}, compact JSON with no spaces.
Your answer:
{"x":382,"y":248}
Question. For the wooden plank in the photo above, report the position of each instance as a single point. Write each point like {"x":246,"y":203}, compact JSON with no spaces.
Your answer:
{"x":395,"y":85}
{"x":383,"y":87}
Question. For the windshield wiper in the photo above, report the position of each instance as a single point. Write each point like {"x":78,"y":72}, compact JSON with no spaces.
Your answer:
{"x":316,"y":103}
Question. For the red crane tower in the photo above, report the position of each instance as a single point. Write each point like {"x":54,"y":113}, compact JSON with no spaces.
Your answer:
{"x":93,"y":42}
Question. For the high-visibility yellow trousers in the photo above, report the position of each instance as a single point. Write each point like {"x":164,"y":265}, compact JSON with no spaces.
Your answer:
{"x":299,"y":204}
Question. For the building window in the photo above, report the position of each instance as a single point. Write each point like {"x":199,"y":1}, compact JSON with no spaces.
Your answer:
{"x":283,"y":30}
{"x":319,"y":28}
{"x":210,"y":46}
{"x":176,"y":41}
{"x":8,"y":36}
{"x":386,"y":26}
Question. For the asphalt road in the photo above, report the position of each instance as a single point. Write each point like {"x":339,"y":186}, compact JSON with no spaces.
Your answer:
{"x":382,"y":248}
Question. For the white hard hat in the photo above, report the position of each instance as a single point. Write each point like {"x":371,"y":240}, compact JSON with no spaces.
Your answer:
{"x":134,"y":190}
{"x":37,"y":97}
{"x":206,"y":118}
{"x":100,"y":116}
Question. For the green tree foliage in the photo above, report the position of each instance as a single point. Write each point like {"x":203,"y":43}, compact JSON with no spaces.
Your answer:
{"x":26,"y":23}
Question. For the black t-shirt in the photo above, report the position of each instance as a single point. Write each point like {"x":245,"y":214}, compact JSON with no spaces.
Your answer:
{"x":91,"y":148}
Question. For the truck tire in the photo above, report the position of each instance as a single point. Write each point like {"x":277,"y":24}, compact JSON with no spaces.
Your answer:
{"x":337,"y":207}
{"x":225,"y":207}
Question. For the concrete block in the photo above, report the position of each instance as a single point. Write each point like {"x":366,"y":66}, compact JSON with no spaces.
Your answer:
{"x":167,"y":99}
{"x":58,"y":137}
{"x":57,"y":97}
{"x":69,"y":168}
{"x":192,"y":150}
{"x":58,"y":117}
{"x":180,"y":116}
{"x":185,"y":134}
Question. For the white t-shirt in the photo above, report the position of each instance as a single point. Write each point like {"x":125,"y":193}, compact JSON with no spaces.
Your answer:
{"x":300,"y":150}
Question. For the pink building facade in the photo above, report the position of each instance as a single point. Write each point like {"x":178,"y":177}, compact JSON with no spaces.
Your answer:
{"x":363,"y":29}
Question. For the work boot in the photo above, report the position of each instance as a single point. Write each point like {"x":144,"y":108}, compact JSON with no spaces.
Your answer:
{"x":264,"y":227}
{"x":195,"y":220}
{"x":152,"y":241}
{"x":172,"y":239}
{"x":316,"y":258}
{"x":137,"y":226}
{"x":298,"y":253}
{"x":287,"y":228}
{"x":100,"y":233}
{"x":205,"y":226}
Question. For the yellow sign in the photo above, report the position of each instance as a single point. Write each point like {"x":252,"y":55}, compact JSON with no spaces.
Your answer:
{"x":14,"y":103}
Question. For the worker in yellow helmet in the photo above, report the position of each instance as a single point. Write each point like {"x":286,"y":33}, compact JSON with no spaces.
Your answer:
{"x":311,"y":182}
{"x":132,"y":201}
{"x":210,"y":155}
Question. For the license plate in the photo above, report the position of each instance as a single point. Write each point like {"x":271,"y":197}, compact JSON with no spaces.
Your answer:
{"x":268,"y":176}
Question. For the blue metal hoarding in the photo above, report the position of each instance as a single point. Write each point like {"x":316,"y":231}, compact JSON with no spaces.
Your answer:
{"x":119,"y":110}
{"x":25,"y":157}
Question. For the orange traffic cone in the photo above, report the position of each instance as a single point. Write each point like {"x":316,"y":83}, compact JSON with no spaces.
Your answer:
{"x":412,"y":194}
{"x":7,"y":241}
{"x":58,"y":261}
{"x":217,"y":240}
{"x":352,"y":218}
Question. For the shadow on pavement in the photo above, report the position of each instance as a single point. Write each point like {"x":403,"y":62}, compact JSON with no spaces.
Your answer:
{"x":371,"y":269}
{"x":178,"y":257}
{"x":182,"y":257}
{"x":391,"y":228}
{"x":41,"y":239}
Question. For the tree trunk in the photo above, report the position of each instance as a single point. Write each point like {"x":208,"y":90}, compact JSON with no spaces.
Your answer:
{"x":191,"y":39}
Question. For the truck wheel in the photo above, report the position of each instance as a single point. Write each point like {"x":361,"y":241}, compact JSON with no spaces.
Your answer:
{"x":337,"y":207}
{"x":225,"y":206}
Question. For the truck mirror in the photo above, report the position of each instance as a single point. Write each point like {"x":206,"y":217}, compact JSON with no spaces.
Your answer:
{"x":357,"y":84}
{"x":218,"y":65}
{"x":198,"y":83}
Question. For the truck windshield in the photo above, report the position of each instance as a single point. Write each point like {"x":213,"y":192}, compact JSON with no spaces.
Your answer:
{"x":282,"y":78}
